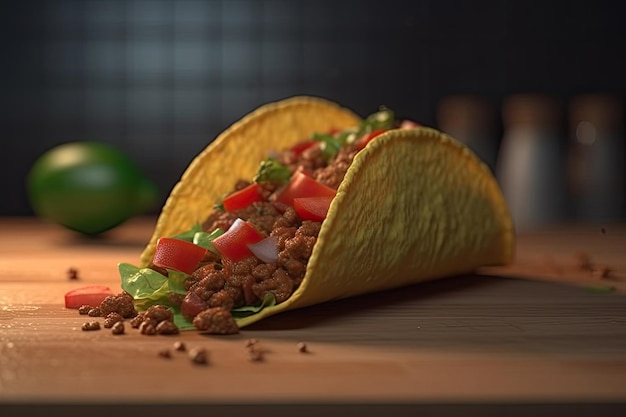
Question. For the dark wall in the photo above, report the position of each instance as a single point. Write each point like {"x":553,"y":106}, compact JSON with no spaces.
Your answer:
{"x":161,"y":78}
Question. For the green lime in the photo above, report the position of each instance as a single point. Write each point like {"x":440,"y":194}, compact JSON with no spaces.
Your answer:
{"x":89,"y":187}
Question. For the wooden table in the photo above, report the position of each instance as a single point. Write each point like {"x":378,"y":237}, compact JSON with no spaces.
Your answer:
{"x":553,"y":341}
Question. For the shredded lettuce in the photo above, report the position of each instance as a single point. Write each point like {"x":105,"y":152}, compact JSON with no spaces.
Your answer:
{"x":245,"y":311}
{"x":148,"y":287}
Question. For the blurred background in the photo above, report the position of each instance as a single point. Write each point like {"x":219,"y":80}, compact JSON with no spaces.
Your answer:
{"x":536,"y":88}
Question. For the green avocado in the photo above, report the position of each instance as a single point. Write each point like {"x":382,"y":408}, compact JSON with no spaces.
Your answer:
{"x":88,"y":187}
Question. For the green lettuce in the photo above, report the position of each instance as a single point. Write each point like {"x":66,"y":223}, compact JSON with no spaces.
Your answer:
{"x":246,"y":311}
{"x":149,"y":287}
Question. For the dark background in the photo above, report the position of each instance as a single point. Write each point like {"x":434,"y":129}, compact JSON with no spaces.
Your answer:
{"x":161,"y":78}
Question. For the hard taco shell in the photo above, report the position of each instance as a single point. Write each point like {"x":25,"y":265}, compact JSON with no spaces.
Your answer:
{"x":415,"y":204}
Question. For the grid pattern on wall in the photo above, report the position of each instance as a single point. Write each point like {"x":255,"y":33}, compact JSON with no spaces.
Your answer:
{"x":161,"y":78}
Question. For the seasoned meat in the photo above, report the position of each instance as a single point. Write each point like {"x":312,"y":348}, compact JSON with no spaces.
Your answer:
{"x":216,"y":320}
{"x":280,"y":284}
{"x":310,"y":159}
{"x":262,"y":214}
{"x":263,"y":271}
{"x":222,"y":299}
{"x":219,"y":220}
{"x":121,"y":304}
{"x":333,"y":174}
{"x":111,"y":319}
{"x":158,"y":313}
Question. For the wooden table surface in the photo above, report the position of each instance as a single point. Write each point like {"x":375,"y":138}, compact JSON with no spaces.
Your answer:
{"x":542,"y":331}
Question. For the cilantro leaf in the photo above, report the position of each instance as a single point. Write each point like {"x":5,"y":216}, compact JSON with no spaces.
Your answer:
{"x":383,"y":119}
{"x":270,"y":170}
{"x":330,"y":145}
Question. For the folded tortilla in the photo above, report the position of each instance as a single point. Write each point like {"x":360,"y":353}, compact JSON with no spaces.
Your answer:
{"x":415,"y":204}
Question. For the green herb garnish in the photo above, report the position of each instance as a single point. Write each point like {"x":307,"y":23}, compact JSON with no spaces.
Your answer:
{"x":383,"y":119}
{"x":330,"y":145}
{"x":270,"y":170}
{"x":205,"y":239}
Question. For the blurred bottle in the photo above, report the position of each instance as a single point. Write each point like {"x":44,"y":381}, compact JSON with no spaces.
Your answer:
{"x":596,"y":157}
{"x":530,"y":166}
{"x":471,"y":120}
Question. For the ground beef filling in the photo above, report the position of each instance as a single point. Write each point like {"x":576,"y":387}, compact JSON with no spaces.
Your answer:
{"x":220,"y":285}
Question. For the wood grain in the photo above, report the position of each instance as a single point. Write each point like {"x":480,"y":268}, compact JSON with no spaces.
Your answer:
{"x":540,"y":330}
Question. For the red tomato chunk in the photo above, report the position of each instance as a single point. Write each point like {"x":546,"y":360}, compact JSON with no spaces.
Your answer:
{"x":234,"y":243}
{"x":312,"y":208}
{"x":303,"y":185}
{"x":178,"y":254}
{"x":91,"y":295}
{"x":242,"y":198}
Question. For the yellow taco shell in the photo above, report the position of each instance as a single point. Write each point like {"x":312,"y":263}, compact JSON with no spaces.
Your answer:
{"x":415,"y":204}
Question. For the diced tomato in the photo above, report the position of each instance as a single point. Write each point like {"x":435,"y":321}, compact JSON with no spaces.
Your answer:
{"x":300,"y":147}
{"x":233,"y":244}
{"x":178,"y":254}
{"x":242,"y":198}
{"x":362,"y":143}
{"x":312,"y":208}
{"x":303,"y":185}
{"x":91,"y":295}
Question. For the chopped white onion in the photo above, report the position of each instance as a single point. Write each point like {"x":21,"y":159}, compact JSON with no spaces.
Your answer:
{"x":237,"y":223}
{"x":266,"y":249}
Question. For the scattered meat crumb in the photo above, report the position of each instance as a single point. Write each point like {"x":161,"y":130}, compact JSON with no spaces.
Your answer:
{"x":94,"y":312}
{"x":180,"y":346}
{"x":72,"y":273}
{"x":118,"y":328}
{"x":111,"y":319}
{"x":147,"y":327}
{"x":255,"y":350}
{"x":251,"y":342}
{"x":90,"y":325}
{"x":158,"y":313}
{"x":84,"y":309}
{"x":136,"y":321}
{"x":216,"y":320}
{"x":121,"y":303}
{"x":165,"y":353}
{"x":302,"y":348}
{"x":255,"y":355}
{"x":199,"y":356}
{"x":166,"y":327}
{"x":603,"y":230}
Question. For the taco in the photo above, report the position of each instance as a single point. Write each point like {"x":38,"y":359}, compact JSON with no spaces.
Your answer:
{"x":303,"y":202}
